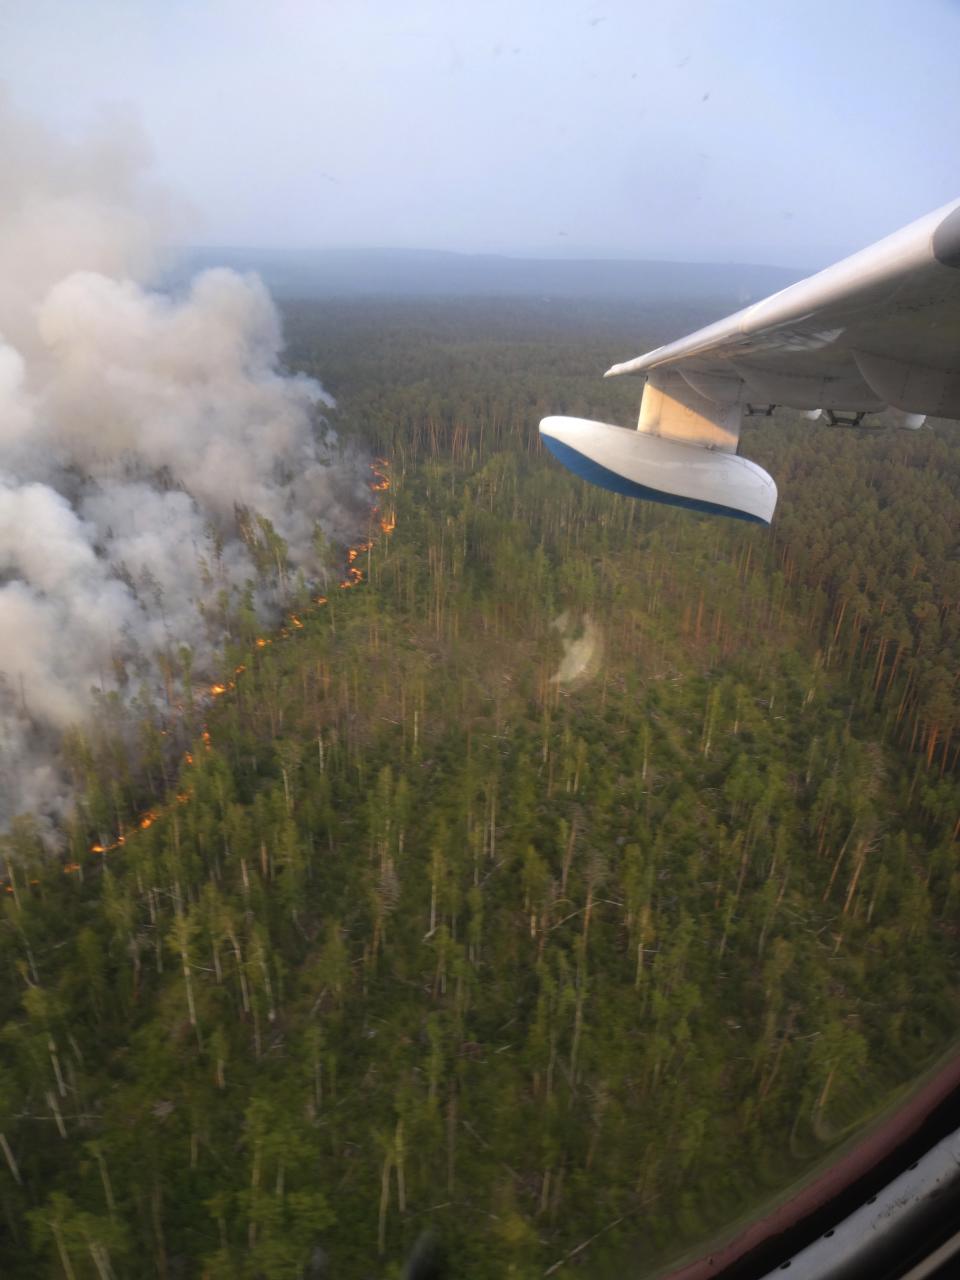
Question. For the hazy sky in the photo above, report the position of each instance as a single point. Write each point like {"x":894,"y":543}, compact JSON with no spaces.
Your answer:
{"x":785,"y":131}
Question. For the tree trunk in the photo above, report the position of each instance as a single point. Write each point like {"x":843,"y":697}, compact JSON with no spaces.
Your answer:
{"x":399,"y":1151}
{"x":68,"y":1270}
{"x":384,"y":1205}
{"x":11,"y":1161}
{"x":451,"y":1138}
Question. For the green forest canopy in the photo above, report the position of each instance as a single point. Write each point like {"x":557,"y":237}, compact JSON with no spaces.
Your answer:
{"x":423,"y":936}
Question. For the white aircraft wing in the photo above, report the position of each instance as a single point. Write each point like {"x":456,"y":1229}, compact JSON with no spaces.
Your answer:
{"x":878,"y":332}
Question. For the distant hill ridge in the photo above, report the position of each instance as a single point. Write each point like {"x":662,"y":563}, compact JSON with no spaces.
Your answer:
{"x":303,"y":273}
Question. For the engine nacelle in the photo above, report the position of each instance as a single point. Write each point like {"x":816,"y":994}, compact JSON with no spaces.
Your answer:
{"x":659,"y":469}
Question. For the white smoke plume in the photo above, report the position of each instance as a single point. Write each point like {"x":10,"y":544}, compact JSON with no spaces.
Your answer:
{"x":133,"y":428}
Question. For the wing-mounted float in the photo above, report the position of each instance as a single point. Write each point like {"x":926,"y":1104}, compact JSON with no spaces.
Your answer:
{"x":878,"y":333}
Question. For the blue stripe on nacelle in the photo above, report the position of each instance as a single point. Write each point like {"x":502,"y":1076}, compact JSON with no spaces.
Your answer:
{"x":606,"y":479}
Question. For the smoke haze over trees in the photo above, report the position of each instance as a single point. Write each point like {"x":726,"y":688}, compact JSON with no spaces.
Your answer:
{"x":343,"y":273}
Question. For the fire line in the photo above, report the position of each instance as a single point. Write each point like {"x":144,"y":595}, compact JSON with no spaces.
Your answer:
{"x":354,"y":576}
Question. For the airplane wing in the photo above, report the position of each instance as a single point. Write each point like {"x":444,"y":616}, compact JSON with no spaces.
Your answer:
{"x":878,"y":332}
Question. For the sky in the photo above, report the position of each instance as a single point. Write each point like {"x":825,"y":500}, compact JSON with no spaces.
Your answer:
{"x":788,"y":132}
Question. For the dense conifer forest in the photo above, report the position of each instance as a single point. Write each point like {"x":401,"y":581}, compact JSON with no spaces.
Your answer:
{"x":571,"y":881}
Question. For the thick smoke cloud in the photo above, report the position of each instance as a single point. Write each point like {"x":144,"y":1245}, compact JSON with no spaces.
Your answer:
{"x":140,"y":436}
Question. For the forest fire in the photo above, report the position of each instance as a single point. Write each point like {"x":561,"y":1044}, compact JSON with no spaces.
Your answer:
{"x":381,"y":481}
{"x":109,"y":848}
{"x":354,"y":576}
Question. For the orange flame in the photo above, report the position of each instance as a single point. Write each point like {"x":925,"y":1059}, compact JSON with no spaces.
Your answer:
{"x":358,"y":550}
{"x":354,"y":577}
